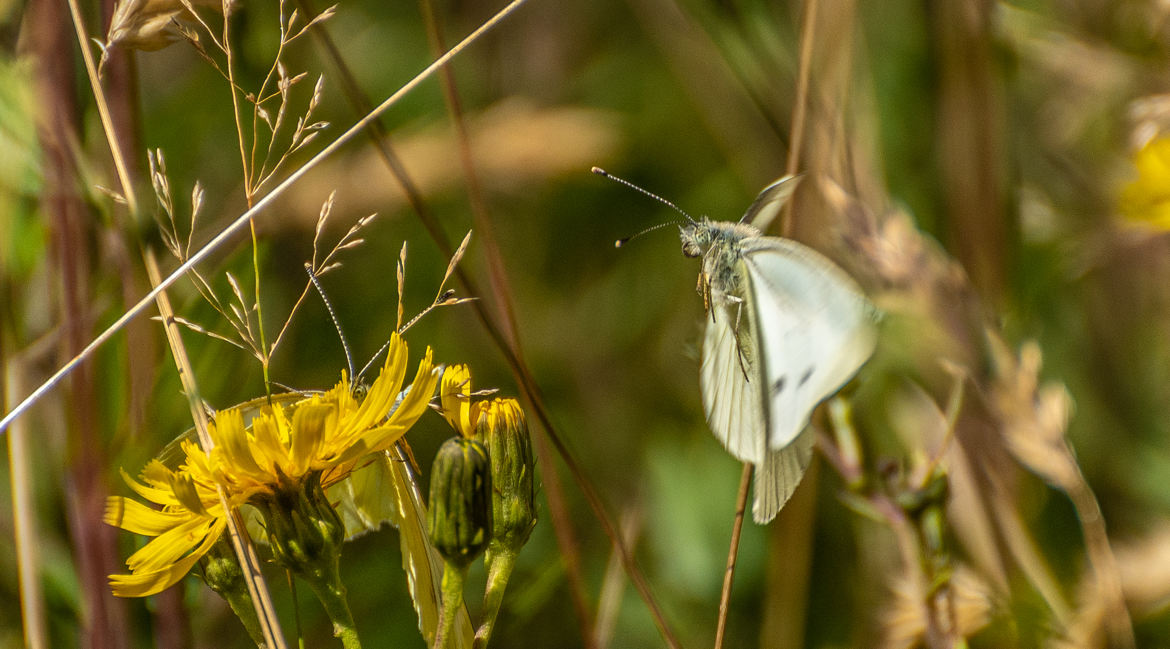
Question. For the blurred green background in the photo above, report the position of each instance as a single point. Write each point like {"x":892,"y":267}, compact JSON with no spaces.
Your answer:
{"x":1003,"y":132}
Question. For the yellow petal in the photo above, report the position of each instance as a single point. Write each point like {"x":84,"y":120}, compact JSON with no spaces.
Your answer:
{"x":268,"y":443}
{"x":149,"y":582}
{"x":172,"y":545}
{"x":136,"y":518}
{"x":1146,"y":200}
{"x":413,"y":405}
{"x":455,"y":396}
{"x":232,"y":440}
{"x":381,"y":395}
{"x":310,"y":423}
{"x":159,"y":495}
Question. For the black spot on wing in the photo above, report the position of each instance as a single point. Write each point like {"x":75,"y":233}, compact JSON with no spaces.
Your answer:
{"x":778,"y":386}
{"x":805,"y":377}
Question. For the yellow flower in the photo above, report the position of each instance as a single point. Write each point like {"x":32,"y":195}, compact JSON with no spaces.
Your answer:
{"x":1146,"y":200}
{"x":328,"y":432}
{"x":323,"y":437}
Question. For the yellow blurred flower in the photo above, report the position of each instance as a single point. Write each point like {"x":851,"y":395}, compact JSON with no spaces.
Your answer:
{"x":323,"y":437}
{"x":1146,"y":200}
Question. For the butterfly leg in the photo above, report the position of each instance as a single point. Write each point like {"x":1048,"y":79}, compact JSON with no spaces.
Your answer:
{"x":743,"y":361}
{"x":704,"y":289}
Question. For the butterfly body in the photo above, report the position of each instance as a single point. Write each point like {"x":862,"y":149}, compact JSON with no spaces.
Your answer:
{"x":786,"y":328}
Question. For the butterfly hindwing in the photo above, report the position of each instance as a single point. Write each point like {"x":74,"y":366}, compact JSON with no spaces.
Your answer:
{"x":778,"y":475}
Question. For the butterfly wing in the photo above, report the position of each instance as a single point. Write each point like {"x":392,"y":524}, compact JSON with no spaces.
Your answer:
{"x":769,"y":202}
{"x":777,"y":477}
{"x":734,"y":391}
{"x":732,"y":400}
{"x":816,"y":329}
{"x":420,"y":559}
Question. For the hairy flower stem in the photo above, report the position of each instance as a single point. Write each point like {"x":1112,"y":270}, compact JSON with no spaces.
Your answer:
{"x":453,"y":576}
{"x":331,"y":594}
{"x":499,"y":565}
{"x":222,"y":573}
{"x":241,"y":604}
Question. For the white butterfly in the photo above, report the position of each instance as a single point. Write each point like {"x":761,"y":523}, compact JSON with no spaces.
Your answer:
{"x":787,"y":329}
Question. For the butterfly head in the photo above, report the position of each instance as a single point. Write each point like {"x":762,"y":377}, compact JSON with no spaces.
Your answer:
{"x":696,"y":238}
{"x":699,"y":237}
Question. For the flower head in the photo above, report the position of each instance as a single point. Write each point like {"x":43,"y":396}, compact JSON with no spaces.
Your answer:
{"x":283,"y":450}
{"x":326,"y":433}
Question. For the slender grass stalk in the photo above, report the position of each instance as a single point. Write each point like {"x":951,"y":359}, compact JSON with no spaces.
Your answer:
{"x":745,"y":481}
{"x":807,"y":30}
{"x":28,"y":556}
{"x":241,"y":544}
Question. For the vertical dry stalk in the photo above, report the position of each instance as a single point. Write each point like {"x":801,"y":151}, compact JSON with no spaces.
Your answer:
{"x":20,"y":461}
{"x":94,"y":542}
{"x":745,"y":481}
{"x":969,"y":129}
{"x":257,"y":588}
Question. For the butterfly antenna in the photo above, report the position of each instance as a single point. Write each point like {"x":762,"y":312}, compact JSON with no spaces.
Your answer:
{"x":624,"y":240}
{"x":333,"y":316}
{"x":620,"y":242}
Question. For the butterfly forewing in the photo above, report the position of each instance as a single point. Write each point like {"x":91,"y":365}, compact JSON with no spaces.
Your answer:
{"x":816,"y":330}
{"x":769,"y":202}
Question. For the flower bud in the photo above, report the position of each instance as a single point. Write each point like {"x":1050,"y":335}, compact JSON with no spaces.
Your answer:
{"x":459,"y":516}
{"x":503,"y":430}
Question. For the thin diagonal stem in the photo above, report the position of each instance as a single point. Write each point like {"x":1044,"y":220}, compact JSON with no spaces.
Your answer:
{"x":533,"y":399}
{"x":245,"y":218}
{"x":498,"y":279}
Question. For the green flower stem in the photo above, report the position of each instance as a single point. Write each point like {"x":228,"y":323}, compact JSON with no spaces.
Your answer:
{"x":222,"y":573}
{"x":331,"y":593}
{"x":241,"y":604}
{"x":453,"y":576}
{"x":499,"y":563}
